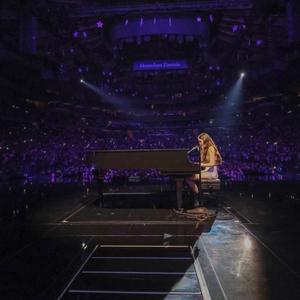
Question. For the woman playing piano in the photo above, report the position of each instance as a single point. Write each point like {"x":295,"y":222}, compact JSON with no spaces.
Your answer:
{"x":210,"y":158}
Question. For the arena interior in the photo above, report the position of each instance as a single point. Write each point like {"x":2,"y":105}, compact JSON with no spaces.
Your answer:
{"x":108,"y":190}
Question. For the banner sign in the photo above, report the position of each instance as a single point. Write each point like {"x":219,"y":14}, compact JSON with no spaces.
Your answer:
{"x":170,"y":64}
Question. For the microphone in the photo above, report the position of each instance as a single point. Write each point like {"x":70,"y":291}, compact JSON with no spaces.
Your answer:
{"x":194,"y":148}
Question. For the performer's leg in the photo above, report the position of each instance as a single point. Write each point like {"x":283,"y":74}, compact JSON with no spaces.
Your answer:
{"x":192,"y":182}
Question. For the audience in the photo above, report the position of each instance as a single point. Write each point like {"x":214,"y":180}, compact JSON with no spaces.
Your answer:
{"x":54,"y":141}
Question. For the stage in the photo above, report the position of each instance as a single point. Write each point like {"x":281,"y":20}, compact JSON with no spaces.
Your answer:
{"x":72,"y":248}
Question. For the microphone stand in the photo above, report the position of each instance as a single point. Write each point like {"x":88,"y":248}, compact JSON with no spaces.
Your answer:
{"x":199,"y":172}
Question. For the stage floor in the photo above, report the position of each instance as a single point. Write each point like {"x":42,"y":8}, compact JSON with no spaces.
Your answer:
{"x":73,"y":249}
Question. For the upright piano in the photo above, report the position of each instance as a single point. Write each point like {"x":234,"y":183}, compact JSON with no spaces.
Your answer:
{"x":170,"y":162}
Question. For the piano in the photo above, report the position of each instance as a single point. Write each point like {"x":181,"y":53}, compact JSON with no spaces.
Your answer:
{"x":170,"y":162}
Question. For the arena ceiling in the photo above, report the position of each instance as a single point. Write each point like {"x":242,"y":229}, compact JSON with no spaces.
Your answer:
{"x":61,"y":41}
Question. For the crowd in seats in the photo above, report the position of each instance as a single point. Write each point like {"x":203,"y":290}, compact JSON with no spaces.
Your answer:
{"x":35,"y":142}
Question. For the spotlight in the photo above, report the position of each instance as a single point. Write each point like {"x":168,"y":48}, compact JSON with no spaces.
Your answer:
{"x":242,"y":74}
{"x":81,"y":80}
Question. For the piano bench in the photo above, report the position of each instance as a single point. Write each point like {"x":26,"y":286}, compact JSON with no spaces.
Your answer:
{"x":210,"y":184}
{"x":209,"y":194}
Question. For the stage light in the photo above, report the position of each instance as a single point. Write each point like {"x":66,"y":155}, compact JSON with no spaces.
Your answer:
{"x":242,"y":74}
{"x":81,"y":80}
{"x":259,"y":42}
{"x":235,"y":28}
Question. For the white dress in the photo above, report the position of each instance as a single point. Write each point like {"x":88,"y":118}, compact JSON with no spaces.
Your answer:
{"x":210,"y":173}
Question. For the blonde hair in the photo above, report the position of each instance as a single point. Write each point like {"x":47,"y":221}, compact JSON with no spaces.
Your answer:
{"x":208,"y":142}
